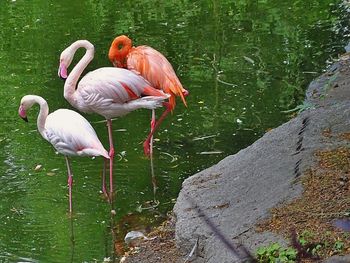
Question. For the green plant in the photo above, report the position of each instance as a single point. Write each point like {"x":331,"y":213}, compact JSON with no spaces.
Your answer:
{"x":304,"y":240}
{"x":338,"y":245}
{"x":276,"y":253}
{"x":305,"y":237}
{"x":316,"y":249}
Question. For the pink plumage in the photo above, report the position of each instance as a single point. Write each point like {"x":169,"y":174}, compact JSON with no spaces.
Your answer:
{"x":69,"y":132}
{"x":155,"y":68}
{"x":110,"y":92}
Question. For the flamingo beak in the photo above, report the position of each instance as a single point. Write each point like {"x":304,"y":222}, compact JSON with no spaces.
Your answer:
{"x":22,"y":113}
{"x":118,"y":64}
{"x":62,"y":71}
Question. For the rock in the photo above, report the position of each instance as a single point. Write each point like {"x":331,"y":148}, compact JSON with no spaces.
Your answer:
{"x":238,"y":192}
{"x":133,"y":237}
{"x":38,"y":167}
{"x":338,"y":259}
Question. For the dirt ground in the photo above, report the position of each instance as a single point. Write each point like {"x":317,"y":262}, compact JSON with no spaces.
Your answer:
{"x":159,"y":248}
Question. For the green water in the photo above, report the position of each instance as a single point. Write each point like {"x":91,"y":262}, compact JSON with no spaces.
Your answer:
{"x":242,"y":61}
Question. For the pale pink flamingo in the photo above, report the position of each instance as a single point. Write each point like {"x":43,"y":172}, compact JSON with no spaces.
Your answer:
{"x":154,"y":67}
{"x":110,"y":92}
{"x":69,"y":133}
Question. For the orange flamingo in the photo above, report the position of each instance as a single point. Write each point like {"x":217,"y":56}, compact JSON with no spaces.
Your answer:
{"x":155,"y":68}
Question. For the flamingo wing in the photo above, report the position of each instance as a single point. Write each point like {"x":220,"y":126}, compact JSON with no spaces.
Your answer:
{"x":154,"y":67}
{"x":71,"y":134}
{"x":113,"y":84}
{"x":109,"y":92}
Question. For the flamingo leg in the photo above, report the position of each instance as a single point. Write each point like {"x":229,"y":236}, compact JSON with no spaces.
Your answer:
{"x":70,"y":183}
{"x":154,"y":182}
{"x":153,"y":123}
{"x":72,"y":239}
{"x":111,"y":156}
{"x":147,"y":142}
{"x":104,"y":178}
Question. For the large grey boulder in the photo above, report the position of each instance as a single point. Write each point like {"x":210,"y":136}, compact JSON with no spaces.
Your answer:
{"x":238,"y":192}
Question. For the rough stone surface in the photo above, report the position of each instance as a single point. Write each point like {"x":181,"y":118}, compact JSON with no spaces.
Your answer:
{"x":338,"y":259}
{"x":238,"y":192}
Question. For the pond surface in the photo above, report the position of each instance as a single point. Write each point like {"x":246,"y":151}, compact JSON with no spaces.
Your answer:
{"x":244,"y":62}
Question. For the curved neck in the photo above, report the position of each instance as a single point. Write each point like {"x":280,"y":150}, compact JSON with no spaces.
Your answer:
{"x":73,"y":77}
{"x":44,"y":111}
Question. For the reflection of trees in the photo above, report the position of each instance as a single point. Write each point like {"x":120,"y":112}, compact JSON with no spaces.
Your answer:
{"x":243,"y":61}
{"x":263,"y":48}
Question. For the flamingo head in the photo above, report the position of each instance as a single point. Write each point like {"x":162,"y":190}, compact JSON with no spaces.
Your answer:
{"x":65,"y":60}
{"x":22,"y":113}
{"x":26,"y":103}
{"x":67,"y":56}
{"x":119,"y":50}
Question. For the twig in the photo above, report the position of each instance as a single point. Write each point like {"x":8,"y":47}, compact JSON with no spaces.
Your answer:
{"x":192,"y":251}
{"x":302,"y":251}
{"x":204,"y":137}
{"x":224,"y":82}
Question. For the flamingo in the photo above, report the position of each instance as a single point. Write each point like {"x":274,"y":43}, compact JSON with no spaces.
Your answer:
{"x":110,"y":92}
{"x":155,"y":68}
{"x":69,"y":133}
